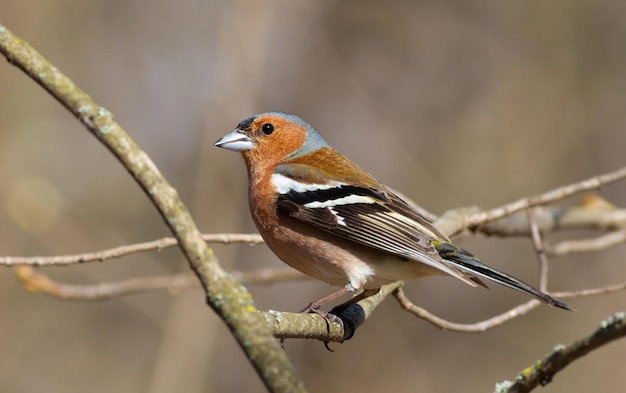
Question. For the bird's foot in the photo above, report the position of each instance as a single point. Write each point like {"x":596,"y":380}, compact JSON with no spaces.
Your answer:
{"x":315,"y":308}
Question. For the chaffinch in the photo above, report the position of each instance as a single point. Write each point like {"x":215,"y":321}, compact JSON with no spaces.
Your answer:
{"x":325,"y":216}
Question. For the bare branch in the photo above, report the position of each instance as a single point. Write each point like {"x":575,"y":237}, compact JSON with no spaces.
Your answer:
{"x":592,"y":291}
{"x":544,"y":370}
{"x":117,"y":252}
{"x":231,"y":302}
{"x":539,"y":249}
{"x":298,"y":325}
{"x":596,"y":244}
{"x":35,"y":281}
{"x":549,"y":197}
{"x":39,"y":282}
{"x":478,"y":327}
{"x":497,"y":320}
{"x":548,"y":219}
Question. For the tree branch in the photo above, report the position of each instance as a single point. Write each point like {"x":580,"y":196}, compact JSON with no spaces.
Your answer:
{"x":551,"y":219}
{"x":35,"y":281}
{"x":232,"y":302}
{"x":298,"y":325}
{"x":39,"y":282}
{"x":540,"y":250}
{"x":585,"y":245}
{"x":500,"y":319}
{"x":544,"y":370}
{"x":557,"y":194}
{"x":118,"y":252}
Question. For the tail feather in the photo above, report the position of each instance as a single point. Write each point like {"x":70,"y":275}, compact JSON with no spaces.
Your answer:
{"x":465,"y":261}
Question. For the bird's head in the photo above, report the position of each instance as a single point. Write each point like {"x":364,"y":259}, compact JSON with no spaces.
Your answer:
{"x":272,"y":137}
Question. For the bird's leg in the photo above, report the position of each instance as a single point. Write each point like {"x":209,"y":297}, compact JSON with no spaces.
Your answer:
{"x":363,"y":295}
{"x":315,"y":307}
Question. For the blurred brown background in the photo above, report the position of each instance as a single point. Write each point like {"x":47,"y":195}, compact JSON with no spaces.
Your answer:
{"x":452,"y":103}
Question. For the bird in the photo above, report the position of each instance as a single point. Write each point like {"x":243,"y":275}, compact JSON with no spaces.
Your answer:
{"x":325,"y":216}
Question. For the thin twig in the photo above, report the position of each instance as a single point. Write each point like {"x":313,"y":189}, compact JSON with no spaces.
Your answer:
{"x":500,"y":319}
{"x":539,"y":249}
{"x":35,"y":281}
{"x":478,"y":327}
{"x":591,"y":291}
{"x":548,"y":218}
{"x":117,"y":252}
{"x":603,"y":242}
{"x":39,"y":282}
{"x":557,"y":194}
{"x":544,"y":370}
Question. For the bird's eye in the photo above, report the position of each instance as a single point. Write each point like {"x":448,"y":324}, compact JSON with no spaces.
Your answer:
{"x":267,"y":128}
